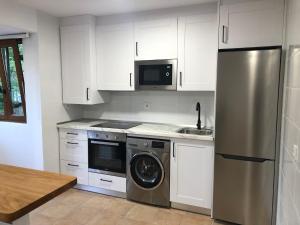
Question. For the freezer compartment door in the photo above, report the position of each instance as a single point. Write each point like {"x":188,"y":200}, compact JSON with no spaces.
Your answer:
{"x":247,"y":101}
{"x":243,"y":191}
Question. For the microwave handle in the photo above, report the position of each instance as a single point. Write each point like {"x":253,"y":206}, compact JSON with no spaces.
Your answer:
{"x":104,"y":143}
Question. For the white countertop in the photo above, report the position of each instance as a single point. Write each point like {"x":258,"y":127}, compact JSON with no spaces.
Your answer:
{"x":145,"y":129}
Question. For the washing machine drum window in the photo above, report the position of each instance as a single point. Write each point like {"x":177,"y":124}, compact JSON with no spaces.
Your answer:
{"x":146,"y":170}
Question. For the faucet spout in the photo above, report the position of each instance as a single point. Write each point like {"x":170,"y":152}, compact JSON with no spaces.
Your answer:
{"x":198,"y":108}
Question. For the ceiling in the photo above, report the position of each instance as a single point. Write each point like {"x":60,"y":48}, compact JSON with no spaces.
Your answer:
{"x":62,"y":8}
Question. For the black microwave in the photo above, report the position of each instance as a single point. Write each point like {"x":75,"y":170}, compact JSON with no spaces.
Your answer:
{"x":156,"y":74}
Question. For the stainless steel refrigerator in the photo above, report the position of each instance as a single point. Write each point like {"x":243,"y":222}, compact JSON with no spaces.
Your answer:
{"x":248,"y":108}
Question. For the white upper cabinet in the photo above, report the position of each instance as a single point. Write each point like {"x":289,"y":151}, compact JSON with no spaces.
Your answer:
{"x":251,"y":24}
{"x":78,"y":64}
{"x":156,"y":39}
{"x":115,"y":57}
{"x":192,"y":173}
{"x":197,"y":52}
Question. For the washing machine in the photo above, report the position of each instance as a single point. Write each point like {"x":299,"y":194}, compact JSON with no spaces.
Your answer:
{"x":148,"y":171}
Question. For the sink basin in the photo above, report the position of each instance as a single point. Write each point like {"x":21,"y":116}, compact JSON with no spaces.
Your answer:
{"x":195,"y":131}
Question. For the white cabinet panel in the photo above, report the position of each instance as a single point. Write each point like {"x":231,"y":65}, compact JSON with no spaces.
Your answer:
{"x":79,"y":170}
{"x":251,"y":24}
{"x":192,"y":174}
{"x":197,"y":52}
{"x":156,"y":39}
{"x":78,"y":65}
{"x":115,"y":57}
{"x":74,"y":150}
{"x":107,"y":182}
{"x":73,"y":134}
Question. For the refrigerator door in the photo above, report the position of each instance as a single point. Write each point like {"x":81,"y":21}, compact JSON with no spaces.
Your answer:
{"x":243,"y":191}
{"x":247,"y":99}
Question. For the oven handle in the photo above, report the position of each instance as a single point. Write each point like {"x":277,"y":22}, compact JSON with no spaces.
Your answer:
{"x":104,"y":143}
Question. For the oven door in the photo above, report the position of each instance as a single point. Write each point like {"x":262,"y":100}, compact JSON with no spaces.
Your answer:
{"x":158,"y":74}
{"x":107,"y":157}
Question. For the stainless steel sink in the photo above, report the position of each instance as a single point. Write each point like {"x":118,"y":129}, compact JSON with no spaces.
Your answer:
{"x":195,"y":131}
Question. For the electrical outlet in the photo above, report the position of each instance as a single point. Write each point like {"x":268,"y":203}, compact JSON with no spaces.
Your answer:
{"x":295,"y":153}
{"x":146,"y":105}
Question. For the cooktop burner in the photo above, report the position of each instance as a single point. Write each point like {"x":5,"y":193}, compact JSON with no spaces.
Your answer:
{"x":118,"y":125}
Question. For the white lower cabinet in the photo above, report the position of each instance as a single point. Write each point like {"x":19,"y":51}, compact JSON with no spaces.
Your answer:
{"x":192,"y":173}
{"x":107,"y":182}
{"x":74,"y":150}
{"x":79,"y":170}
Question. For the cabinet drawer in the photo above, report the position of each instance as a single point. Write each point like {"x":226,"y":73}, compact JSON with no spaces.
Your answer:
{"x":74,"y":150}
{"x":79,"y":170}
{"x":107,"y":182}
{"x":73,"y":134}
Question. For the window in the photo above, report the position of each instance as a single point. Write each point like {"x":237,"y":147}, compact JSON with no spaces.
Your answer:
{"x":12,"y":89}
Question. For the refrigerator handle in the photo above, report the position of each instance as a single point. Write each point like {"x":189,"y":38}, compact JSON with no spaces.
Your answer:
{"x":244,"y":158}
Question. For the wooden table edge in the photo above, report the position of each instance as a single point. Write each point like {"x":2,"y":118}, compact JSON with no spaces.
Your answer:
{"x":9,"y":218}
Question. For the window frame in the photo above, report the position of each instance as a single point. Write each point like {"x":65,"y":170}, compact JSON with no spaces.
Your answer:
{"x":8,"y":108}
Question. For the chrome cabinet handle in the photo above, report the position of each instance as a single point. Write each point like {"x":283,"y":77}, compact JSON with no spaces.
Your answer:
{"x":130,"y":76}
{"x":174,"y":150}
{"x":87,"y":94}
{"x":73,"y":165}
{"x":180,"y":78}
{"x":69,"y":133}
{"x":224,"y":34}
{"x":136,"y":48}
{"x":109,"y":181}
{"x":72,"y":143}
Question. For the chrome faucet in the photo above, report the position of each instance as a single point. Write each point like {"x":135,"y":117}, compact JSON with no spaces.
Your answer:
{"x":198,"y":108}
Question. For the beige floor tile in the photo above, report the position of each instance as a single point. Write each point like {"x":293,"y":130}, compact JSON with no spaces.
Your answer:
{"x":143,"y":213}
{"x":36,"y":219}
{"x":57,"y":211}
{"x":84,"y":208}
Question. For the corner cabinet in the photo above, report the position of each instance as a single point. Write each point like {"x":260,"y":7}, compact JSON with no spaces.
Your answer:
{"x":251,"y":24}
{"x":156,"y":39}
{"x":197,"y":52}
{"x":115,"y":57}
{"x":192,"y":173}
{"x":78,"y":65}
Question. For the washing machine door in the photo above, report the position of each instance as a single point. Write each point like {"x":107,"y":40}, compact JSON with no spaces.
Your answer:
{"x":146,"y":171}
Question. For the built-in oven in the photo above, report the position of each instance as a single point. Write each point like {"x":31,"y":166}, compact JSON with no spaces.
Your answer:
{"x":156,"y":74}
{"x":107,"y":153}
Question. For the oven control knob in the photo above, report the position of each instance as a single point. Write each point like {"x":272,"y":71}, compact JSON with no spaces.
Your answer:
{"x":116,"y":137}
{"x":146,"y":144}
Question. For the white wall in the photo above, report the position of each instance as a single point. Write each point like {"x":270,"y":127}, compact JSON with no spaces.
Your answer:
{"x":289,"y":189}
{"x":164,"y":107}
{"x":35,"y":144}
{"x":53,"y":111}
{"x":17,"y":16}
{"x":21,"y":144}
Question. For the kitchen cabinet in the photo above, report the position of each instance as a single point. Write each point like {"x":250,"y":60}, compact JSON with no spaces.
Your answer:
{"x":192,"y":173}
{"x":78,"y":64}
{"x":251,"y":24}
{"x":156,"y":39}
{"x":113,"y":183}
{"x":115,"y":57}
{"x":197,"y":52}
{"x":74,"y":154}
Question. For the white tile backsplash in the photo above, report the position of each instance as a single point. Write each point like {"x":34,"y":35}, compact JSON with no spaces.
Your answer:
{"x":156,"y":106}
{"x":289,"y":187}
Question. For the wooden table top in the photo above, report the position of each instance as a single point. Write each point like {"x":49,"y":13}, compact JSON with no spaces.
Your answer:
{"x":23,"y":190}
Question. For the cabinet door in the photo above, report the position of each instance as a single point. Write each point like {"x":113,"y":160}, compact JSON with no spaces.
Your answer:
{"x":197,"y":52}
{"x":156,"y":39}
{"x":79,"y":170}
{"x":192,"y":174}
{"x":115,"y":57}
{"x":251,"y":24}
{"x":75,"y":51}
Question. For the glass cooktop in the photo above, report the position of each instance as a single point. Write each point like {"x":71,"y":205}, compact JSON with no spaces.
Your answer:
{"x":117,"y":125}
